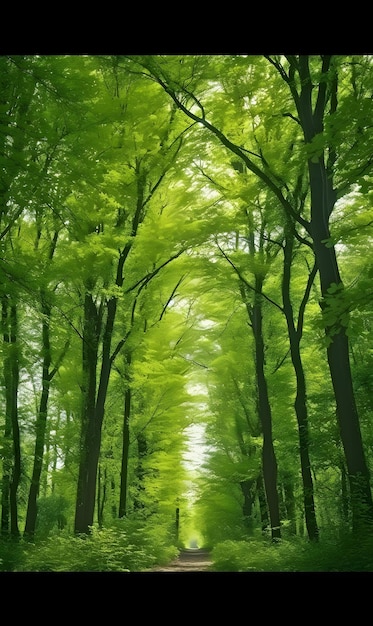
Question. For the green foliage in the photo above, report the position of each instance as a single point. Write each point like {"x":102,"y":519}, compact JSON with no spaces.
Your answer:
{"x":52,"y":512}
{"x":11,"y":554}
{"x":124,"y":547}
{"x":335,"y":309}
{"x":98,"y":164}
{"x":294,"y":555}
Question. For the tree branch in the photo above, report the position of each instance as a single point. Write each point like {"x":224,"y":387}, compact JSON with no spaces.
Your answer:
{"x":232,"y":147}
{"x":59,"y":360}
{"x":243,"y":280}
{"x":145,"y":280}
{"x":305,"y":298}
{"x":171,"y":296}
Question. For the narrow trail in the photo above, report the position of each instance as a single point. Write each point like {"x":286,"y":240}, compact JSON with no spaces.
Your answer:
{"x":189,"y":560}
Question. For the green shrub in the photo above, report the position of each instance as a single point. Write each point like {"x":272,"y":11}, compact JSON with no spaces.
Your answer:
{"x":11,"y":554}
{"x":52,"y":512}
{"x":124,"y":547}
{"x":295,"y":555}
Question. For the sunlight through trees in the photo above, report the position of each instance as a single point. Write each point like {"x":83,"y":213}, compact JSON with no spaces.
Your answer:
{"x":186,"y":296}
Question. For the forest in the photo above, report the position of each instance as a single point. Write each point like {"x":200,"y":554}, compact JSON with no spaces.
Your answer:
{"x":186,"y":346}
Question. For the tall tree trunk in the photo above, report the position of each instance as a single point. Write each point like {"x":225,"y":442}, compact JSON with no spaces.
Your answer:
{"x":340,"y":370}
{"x":344,"y":493}
{"x":126,"y":442}
{"x":300,"y":403}
{"x":269,"y":462}
{"x":12,"y":466}
{"x":7,"y":445}
{"x":263,"y":509}
{"x":323,"y":198}
{"x":248,"y":502}
{"x":101,"y":495}
{"x":41,"y":423}
{"x":177,"y":524}
{"x":49,"y":460}
{"x":94,"y":407}
{"x":248,"y":486}
{"x":16,"y":476}
{"x":91,"y":334}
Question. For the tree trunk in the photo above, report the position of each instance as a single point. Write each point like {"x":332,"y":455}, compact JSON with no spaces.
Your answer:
{"x":344,"y":494}
{"x":94,"y":407}
{"x":12,"y":471}
{"x":7,"y":445}
{"x":126,"y":443}
{"x":300,"y":404}
{"x":263,"y":509}
{"x":338,"y":355}
{"x":41,"y":423}
{"x":91,"y":333}
{"x":101,"y":495}
{"x":177,"y":524}
{"x":247,"y":505}
{"x":269,"y":462}
{"x":323,"y":198}
{"x":14,"y":484}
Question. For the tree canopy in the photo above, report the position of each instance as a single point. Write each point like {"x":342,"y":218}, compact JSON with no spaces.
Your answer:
{"x":185,"y":255}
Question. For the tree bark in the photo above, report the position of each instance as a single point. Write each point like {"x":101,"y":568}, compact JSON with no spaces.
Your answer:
{"x":263,"y":509}
{"x":126,"y":442}
{"x":91,"y":334}
{"x":300,"y":403}
{"x":269,"y":462}
{"x":101,"y":495}
{"x":16,"y":476}
{"x":323,"y":198}
{"x":41,"y":422}
{"x":7,"y":460}
{"x":12,"y":463}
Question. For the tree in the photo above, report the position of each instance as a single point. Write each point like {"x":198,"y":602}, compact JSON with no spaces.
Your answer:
{"x":260,"y":256}
{"x":48,"y":373}
{"x":145,"y":173}
{"x":314,"y":112}
{"x":313,"y":84}
{"x":12,"y":470}
{"x":184,"y":248}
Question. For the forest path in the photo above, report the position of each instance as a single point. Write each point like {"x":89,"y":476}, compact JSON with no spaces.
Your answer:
{"x":189,"y":560}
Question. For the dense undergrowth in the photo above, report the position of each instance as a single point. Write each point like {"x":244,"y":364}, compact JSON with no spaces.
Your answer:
{"x":347,"y":554}
{"x":125,"y":547}
{"x":128,"y":547}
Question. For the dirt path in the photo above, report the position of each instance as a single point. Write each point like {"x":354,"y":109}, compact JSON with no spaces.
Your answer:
{"x":190,"y":560}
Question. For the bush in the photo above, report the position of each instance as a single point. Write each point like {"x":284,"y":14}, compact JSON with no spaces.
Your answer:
{"x":52,"y":511}
{"x":11,"y":554}
{"x":347,"y":554}
{"x":124,"y":547}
